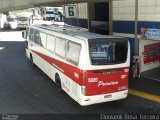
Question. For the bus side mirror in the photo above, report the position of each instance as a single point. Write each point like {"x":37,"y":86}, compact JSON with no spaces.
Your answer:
{"x":24,"y":34}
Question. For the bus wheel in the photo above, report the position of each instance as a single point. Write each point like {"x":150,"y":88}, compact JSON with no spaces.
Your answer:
{"x":58,"y":83}
{"x":31,"y":58}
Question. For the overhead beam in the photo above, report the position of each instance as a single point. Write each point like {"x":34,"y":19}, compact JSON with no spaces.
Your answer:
{"x":60,"y":3}
{"x":10,"y":5}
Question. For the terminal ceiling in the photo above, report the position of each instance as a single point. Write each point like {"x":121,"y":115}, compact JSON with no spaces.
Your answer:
{"x":10,"y":5}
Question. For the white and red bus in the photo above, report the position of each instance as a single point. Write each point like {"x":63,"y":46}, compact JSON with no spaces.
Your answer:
{"x":89,"y":67}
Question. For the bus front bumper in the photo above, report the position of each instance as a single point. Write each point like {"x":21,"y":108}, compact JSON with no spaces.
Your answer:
{"x":22,"y":26}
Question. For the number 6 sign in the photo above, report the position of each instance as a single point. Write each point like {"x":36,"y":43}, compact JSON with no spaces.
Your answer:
{"x":70,"y":11}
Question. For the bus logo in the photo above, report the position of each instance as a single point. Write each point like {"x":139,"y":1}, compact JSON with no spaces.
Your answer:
{"x":101,"y":83}
{"x":123,"y":76}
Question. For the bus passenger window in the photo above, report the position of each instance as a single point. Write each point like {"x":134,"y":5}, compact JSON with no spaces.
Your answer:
{"x":36,"y":36}
{"x":73,"y":53}
{"x":50,"y":43}
{"x":31,"y":34}
{"x":42,"y":40}
{"x":121,"y":51}
{"x":60,"y":47}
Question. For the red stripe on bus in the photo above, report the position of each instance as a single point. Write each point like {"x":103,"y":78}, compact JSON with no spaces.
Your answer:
{"x":113,"y":81}
{"x":67,"y":69}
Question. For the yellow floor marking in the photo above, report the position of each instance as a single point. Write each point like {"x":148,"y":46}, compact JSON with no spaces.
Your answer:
{"x":145,"y":95}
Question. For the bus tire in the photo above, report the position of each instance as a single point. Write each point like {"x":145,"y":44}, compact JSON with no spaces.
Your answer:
{"x":31,"y":58}
{"x":58,"y":83}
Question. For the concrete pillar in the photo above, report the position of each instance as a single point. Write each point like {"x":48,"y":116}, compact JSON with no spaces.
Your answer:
{"x":91,"y":15}
{"x":136,"y":43}
{"x":111,"y":17}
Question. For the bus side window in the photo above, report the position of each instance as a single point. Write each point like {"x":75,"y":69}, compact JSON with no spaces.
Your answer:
{"x":60,"y":49}
{"x":73,"y":52}
{"x":36,"y":36}
{"x":31,"y":34}
{"x":27,"y":31}
{"x":50,"y":43}
{"x":42,"y":39}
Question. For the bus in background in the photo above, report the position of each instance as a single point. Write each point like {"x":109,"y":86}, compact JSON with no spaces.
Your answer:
{"x":3,"y":20}
{"x":11,"y":23}
{"x":91,"y":68}
{"x":24,"y":19}
{"x":49,"y":15}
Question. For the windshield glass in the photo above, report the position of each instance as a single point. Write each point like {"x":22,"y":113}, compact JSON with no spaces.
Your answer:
{"x":11,"y":19}
{"x":105,"y":51}
{"x":22,"y":18}
{"x":49,"y":12}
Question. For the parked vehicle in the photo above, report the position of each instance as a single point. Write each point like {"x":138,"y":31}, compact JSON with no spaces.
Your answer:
{"x":53,"y":15}
{"x":58,"y":16}
{"x":3,"y":20}
{"x":24,"y":20}
{"x":11,"y":22}
{"x":49,"y":15}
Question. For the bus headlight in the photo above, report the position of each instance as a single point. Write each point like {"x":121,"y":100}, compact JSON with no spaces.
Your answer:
{"x":83,"y":89}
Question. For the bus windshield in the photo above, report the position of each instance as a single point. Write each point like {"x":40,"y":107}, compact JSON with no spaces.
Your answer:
{"x":104,"y":51}
{"x":49,"y":12}
{"x":11,"y":19}
{"x":22,"y":18}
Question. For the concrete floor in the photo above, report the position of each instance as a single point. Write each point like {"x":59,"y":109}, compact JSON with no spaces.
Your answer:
{"x":153,"y":74}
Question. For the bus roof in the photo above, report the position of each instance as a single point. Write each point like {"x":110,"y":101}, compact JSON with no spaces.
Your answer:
{"x":77,"y":32}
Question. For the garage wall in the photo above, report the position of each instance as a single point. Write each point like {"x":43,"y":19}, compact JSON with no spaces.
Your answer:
{"x":82,"y":16}
{"x":150,"y":65}
{"x":124,"y":17}
{"x":148,"y":17}
{"x":124,"y":21}
{"x":124,"y":10}
{"x":149,"y":10}
{"x":82,"y":10}
{"x":148,"y":14}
